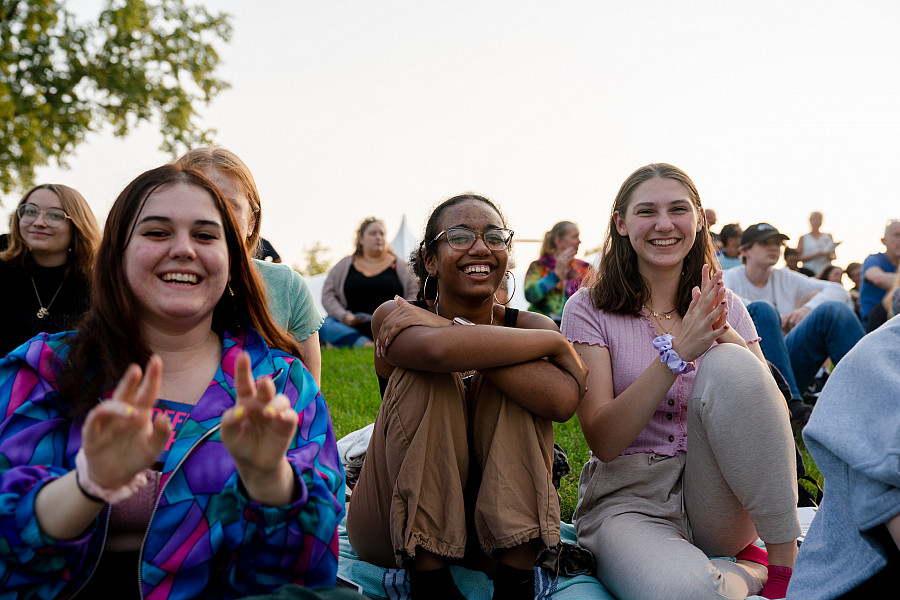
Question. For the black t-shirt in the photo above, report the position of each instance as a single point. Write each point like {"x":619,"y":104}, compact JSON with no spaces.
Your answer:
{"x":365,"y":294}
{"x":64,"y":294}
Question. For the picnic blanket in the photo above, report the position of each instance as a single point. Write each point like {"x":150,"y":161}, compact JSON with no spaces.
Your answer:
{"x":390,"y":584}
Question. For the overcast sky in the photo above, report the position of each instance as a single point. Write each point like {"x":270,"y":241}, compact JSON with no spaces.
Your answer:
{"x":348,"y":109}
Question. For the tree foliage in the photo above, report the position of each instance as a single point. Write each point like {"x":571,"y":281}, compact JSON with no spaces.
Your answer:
{"x":316,"y":262}
{"x":60,"y":79}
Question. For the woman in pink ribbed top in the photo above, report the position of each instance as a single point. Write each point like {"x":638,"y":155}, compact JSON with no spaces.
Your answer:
{"x":692,"y":453}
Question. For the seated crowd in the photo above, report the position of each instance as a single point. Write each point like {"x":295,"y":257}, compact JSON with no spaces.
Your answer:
{"x":163,"y":433}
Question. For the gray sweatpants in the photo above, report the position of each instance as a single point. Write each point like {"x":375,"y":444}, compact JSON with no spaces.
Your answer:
{"x":653,"y":521}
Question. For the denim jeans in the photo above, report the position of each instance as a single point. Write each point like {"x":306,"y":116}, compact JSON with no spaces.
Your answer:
{"x":340,"y":334}
{"x":829,"y":331}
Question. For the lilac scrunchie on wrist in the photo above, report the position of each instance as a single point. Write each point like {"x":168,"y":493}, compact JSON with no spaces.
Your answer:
{"x":667,"y":355}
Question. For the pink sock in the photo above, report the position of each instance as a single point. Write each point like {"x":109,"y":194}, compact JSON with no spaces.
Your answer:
{"x":754,"y":553}
{"x":777,"y":585}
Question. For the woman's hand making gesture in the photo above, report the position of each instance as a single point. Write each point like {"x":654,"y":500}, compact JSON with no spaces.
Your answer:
{"x":258,"y":432}
{"x":119,"y":437}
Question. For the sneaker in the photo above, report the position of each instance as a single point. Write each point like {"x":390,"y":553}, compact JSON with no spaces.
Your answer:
{"x":815,"y":388}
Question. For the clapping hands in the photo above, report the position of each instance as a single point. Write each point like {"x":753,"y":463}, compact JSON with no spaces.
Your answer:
{"x":563,"y":260}
{"x":706,"y":318}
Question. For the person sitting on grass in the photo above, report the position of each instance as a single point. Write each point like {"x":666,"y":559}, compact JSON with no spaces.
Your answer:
{"x":190,"y":478}
{"x":692,"y":453}
{"x":360,"y":283}
{"x":554,"y":277}
{"x":852,"y":549}
{"x":460,"y":461}
{"x":802,"y":320}
{"x":287,"y":294}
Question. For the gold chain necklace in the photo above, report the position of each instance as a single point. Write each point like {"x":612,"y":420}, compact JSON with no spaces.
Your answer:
{"x":660,"y":316}
{"x":667,"y":315}
{"x":45,"y":310}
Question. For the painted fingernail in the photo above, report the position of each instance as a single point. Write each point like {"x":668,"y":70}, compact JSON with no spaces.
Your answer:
{"x":269,"y":411}
{"x":129,"y":410}
{"x":239,"y":412}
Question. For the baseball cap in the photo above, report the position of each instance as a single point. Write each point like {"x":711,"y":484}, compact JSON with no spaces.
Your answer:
{"x":760,"y":232}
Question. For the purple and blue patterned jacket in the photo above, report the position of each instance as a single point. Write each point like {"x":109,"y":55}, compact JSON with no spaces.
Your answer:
{"x":205,"y":538}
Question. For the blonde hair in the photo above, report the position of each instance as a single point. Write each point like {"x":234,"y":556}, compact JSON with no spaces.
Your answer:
{"x":85,"y":230}
{"x":226,"y":161}
{"x":560,"y":229}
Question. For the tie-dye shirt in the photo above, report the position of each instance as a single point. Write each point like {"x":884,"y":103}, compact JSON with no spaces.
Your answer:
{"x":546,"y":292}
{"x":206,"y":537}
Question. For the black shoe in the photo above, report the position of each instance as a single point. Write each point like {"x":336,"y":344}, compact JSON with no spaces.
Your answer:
{"x":800,"y":413}
{"x":815,"y":388}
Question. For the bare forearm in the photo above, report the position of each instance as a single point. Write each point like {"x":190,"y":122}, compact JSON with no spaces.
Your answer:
{"x":539,"y":387}
{"x":465,"y":347}
{"x":312,"y":356}
{"x":62,"y":511}
{"x":610,"y":427}
{"x":881,"y":278}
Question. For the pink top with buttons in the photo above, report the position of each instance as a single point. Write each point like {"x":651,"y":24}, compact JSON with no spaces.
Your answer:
{"x":630,"y":343}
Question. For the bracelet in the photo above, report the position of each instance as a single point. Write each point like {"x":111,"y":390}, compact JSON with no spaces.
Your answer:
{"x":93,"y":491}
{"x":84,"y":492}
{"x":667,"y":355}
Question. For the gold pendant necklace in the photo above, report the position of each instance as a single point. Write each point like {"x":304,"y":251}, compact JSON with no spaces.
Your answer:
{"x":44,"y":311}
{"x":659,"y":317}
{"x":667,"y":315}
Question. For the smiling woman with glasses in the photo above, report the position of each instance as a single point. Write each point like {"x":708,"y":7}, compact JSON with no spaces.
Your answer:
{"x":462,"y":238}
{"x":459,"y":465}
{"x":46,"y":270}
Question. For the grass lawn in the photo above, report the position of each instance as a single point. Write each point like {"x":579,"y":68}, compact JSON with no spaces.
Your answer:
{"x":350,"y":387}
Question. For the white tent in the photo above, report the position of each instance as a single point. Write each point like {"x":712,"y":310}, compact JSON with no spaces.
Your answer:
{"x":404,"y":242}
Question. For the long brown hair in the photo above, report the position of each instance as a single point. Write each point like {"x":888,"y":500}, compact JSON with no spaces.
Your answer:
{"x":109,"y":337}
{"x":617,"y":285}
{"x":85,"y":230}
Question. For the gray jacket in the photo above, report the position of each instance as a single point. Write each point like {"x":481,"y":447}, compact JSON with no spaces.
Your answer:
{"x":335,"y":302}
{"x":854,"y":438}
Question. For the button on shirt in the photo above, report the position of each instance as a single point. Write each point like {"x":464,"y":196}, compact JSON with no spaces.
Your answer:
{"x":629,"y":340}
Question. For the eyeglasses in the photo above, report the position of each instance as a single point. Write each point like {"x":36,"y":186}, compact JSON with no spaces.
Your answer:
{"x":462,"y":238}
{"x":28,"y":213}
